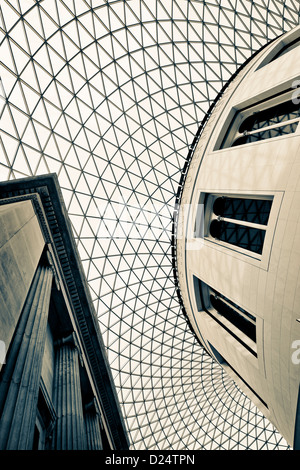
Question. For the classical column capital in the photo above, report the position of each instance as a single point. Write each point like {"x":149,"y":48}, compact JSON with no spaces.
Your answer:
{"x":70,"y":339}
{"x":53,"y":265}
{"x":93,"y":407}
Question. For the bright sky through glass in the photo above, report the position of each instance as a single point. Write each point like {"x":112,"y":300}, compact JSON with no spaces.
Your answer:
{"x":109,"y":95}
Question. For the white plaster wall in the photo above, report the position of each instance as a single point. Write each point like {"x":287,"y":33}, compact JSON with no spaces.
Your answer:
{"x":268,"y":287}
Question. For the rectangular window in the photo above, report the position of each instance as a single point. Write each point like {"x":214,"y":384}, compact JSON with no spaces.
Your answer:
{"x":276,"y":117}
{"x":241,"y":319}
{"x":284,"y":48}
{"x":233,"y":319}
{"x":238,"y":221}
{"x":287,"y":48}
{"x":245,"y":237}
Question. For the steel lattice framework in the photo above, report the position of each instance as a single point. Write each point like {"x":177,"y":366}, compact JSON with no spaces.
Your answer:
{"x":109,"y":95}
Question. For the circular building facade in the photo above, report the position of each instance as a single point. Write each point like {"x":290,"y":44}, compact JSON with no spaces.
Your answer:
{"x":238,"y":232}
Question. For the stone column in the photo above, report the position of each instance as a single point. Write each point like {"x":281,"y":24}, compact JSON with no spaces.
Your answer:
{"x":93,"y":429}
{"x":20,"y":377}
{"x":69,"y":432}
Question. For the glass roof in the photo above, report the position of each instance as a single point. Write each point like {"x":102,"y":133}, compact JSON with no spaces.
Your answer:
{"x":109,"y":95}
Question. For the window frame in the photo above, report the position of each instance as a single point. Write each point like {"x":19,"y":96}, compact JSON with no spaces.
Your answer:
{"x":240,"y":115}
{"x":207,"y":308}
{"x":262,"y":260}
{"x":282,"y":48}
{"x":237,"y":224}
{"x":210,"y":217}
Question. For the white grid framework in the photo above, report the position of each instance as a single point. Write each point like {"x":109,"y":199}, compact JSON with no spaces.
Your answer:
{"x":109,"y":95}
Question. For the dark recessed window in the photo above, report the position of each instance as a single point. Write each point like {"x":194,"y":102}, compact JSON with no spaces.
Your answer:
{"x":283,"y":49}
{"x":247,"y":238}
{"x":265,"y":120}
{"x":240,"y":222}
{"x":241,"y":319}
{"x":231,"y":317}
{"x":277,"y":121}
{"x":286,"y":49}
{"x":256,"y":211}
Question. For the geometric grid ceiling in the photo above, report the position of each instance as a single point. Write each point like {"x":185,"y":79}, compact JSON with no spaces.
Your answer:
{"x":109,"y":95}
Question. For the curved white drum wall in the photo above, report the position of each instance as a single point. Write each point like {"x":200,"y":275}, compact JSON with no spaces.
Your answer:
{"x":267,"y":285}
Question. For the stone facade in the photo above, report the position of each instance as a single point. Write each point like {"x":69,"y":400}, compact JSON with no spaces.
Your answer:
{"x":56,"y":388}
{"x":231,"y":285}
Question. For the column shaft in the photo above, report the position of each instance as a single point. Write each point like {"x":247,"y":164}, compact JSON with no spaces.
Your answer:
{"x":69,"y":431}
{"x":93,"y":430}
{"x":19,"y":385}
